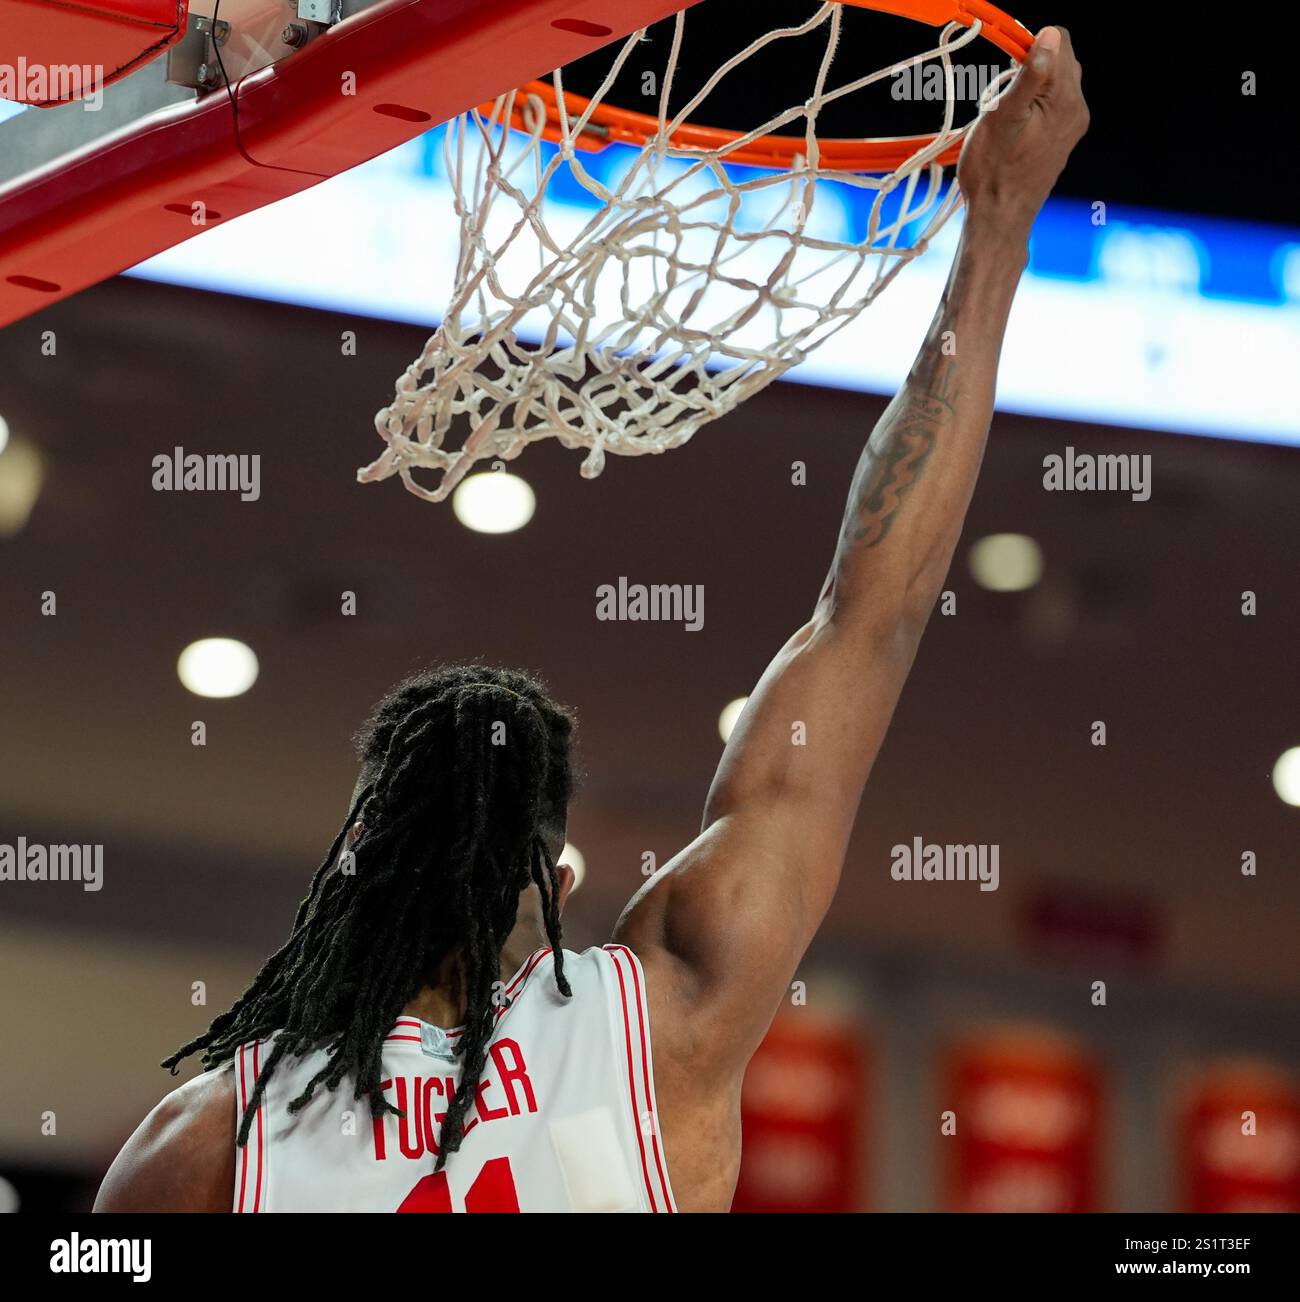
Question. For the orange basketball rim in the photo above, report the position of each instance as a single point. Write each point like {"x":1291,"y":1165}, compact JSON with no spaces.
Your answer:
{"x":609,"y":124}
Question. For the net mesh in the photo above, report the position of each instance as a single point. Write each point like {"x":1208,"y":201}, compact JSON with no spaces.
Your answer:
{"x":694,"y":283}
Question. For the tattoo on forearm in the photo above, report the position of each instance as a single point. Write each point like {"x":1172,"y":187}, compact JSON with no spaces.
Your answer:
{"x":896,"y":456}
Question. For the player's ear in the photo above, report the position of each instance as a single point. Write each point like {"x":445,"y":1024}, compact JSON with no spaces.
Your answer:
{"x":567,"y":879}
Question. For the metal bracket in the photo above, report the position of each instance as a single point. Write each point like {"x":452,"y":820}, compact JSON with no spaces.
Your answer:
{"x":192,"y":60}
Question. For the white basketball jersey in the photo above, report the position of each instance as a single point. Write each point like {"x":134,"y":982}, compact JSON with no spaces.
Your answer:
{"x":564,"y":1118}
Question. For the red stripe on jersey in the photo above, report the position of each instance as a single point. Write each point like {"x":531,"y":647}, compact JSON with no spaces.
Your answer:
{"x":243,"y":1105}
{"x":631,"y":1078}
{"x":257,"y":1071}
{"x":645,"y":1077}
{"x":527,"y":971}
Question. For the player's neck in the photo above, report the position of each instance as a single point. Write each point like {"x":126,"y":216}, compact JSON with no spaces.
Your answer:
{"x":443,"y":1002}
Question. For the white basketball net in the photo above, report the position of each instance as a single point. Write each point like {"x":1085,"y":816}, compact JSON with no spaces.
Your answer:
{"x":688,"y":290}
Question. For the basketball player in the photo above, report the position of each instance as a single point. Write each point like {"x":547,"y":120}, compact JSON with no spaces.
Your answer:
{"x":422,"y":1042}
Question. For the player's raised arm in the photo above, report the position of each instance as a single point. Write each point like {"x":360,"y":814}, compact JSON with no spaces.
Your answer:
{"x":728,"y":921}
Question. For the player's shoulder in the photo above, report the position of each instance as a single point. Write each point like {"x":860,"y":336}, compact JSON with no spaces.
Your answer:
{"x":181,"y":1156}
{"x":539,"y":967}
{"x":605,"y":967}
{"x":599,"y":979}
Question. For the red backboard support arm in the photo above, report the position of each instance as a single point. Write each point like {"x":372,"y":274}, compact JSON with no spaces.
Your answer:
{"x":112,"y":36}
{"x":413,"y":64}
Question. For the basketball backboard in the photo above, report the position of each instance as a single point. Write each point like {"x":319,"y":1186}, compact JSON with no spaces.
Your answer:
{"x":256,"y":100}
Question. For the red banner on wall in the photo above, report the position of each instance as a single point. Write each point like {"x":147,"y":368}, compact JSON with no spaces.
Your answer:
{"x":1026,"y":1112}
{"x":802,"y":1112}
{"x":1240,"y":1143}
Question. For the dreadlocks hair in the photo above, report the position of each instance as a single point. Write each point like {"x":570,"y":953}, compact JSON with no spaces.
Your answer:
{"x":451,"y":831}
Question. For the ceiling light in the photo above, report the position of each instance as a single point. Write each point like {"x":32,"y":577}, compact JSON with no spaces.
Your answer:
{"x":217,"y":666}
{"x":494,"y":502}
{"x":1006,"y":562}
{"x":1286,"y":776}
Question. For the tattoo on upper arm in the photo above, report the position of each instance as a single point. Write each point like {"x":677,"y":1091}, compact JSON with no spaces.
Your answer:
{"x":896,"y":456}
